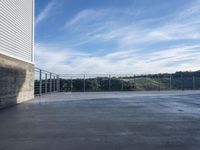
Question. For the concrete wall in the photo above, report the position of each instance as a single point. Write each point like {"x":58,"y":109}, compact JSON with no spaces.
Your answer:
{"x":16,"y":81}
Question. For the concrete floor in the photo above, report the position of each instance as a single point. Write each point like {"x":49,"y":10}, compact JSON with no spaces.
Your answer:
{"x":104,"y":121}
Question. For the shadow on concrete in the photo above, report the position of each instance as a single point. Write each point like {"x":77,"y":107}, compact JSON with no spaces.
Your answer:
{"x":11,"y":83}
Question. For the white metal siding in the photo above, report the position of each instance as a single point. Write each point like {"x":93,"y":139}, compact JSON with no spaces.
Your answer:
{"x":16,"y":28}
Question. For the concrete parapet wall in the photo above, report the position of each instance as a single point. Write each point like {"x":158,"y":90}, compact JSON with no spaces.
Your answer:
{"x":16,"y":81}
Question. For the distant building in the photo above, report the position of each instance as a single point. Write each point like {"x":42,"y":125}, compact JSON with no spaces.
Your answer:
{"x":16,"y":51}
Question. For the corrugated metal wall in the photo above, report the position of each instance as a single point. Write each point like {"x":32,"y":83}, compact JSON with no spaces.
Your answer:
{"x":16,"y":28}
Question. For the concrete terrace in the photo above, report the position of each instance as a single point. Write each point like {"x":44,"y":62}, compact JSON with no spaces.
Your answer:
{"x":104,"y":121}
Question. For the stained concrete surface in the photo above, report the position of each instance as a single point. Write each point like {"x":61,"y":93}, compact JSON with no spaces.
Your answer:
{"x":16,"y":81}
{"x":104,"y":121}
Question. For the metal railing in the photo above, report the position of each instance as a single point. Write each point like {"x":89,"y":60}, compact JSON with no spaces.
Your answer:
{"x":46,"y":82}
{"x":128,"y":82}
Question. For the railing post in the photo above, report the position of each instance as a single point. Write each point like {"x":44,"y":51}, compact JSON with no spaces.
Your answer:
{"x":134,"y":80}
{"x":71,"y":84}
{"x":84,"y":83}
{"x":58,"y":83}
{"x":50,"y":86}
{"x":40,"y":83}
{"x":96,"y":87}
{"x":109,"y":82}
{"x":170,"y":86}
{"x":159,"y":82}
{"x":54,"y":83}
{"x":194,"y":84}
{"x":45,"y":83}
{"x":146,"y":83}
{"x":182,"y":81}
{"x":122,"y":81}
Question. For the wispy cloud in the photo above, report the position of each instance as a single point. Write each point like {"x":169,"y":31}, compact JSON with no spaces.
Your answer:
{"x":100,"y":25}
{"x":88,"y":16}
{"x":44,"y":14}
{"x":131,"y":35}
{"x":126,"y":61}
{"x":83,"y":16}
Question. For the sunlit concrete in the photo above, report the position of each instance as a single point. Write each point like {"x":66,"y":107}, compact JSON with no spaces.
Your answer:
{"x":104,"y":121}
{"x":16,"y":81}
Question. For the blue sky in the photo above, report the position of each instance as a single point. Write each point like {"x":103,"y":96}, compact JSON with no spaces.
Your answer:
{"x":115,"y":36}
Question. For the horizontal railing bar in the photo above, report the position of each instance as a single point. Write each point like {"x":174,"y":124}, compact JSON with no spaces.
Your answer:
{"x":44,"y":71}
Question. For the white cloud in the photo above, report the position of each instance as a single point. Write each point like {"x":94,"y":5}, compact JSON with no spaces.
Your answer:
{"x":88,"y":16}
{"x":44,"y":14}
{"x":104,"y":25}
{"x":84,"y":16}
{"x":127,"y":61}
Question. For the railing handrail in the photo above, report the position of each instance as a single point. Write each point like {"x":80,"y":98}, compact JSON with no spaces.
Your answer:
{"x":46,"y":71}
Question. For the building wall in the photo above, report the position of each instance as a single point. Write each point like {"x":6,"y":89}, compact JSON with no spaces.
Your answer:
{"x":16,"y":51}
{"x":16,"y":28}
